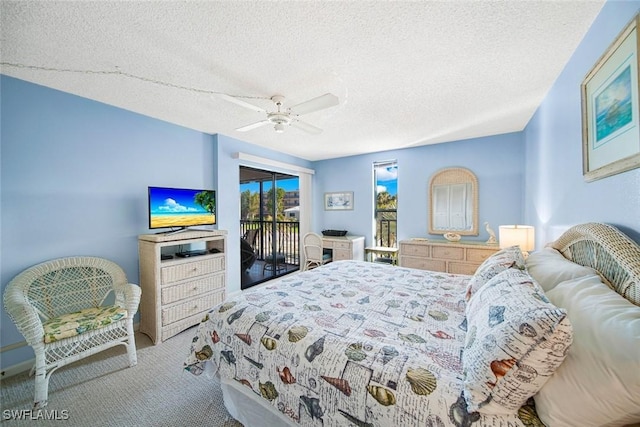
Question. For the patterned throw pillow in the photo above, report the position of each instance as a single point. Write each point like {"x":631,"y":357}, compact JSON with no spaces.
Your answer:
{"x":510,"y":257}
{"x":515,"y":341}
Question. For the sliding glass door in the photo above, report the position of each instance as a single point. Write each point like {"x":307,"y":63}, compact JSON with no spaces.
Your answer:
{"x":269,"y":225}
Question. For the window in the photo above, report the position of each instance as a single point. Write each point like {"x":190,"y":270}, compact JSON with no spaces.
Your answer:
{"x":270,"y":223}
{"x":385,"y":180}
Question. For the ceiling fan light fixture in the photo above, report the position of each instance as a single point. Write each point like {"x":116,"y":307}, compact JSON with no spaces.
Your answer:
{"x":287,"y":116}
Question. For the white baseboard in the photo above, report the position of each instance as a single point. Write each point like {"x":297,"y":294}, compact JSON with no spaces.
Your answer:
{"x":17,"y":369}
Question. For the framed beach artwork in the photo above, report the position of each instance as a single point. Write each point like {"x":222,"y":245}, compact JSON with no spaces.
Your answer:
{"x":342,"y":201}
{"x":610,"y":112}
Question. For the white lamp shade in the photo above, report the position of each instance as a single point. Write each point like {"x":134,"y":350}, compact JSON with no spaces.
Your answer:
{"x":517,"y":235}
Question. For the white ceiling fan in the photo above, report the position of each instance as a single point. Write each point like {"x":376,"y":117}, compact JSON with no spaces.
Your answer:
{"x":283,"y":116}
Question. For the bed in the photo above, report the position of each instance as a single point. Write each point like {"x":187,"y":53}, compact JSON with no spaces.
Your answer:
{"x":367,"y":344}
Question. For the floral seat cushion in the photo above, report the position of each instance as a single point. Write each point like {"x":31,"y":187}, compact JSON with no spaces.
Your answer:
{"x":73,"y":324}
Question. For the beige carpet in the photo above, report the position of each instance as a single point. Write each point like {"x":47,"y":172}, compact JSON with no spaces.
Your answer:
{"x":102,"y":391}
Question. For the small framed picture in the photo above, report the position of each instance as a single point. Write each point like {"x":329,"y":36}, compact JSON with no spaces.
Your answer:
{"x":610,"y":109}
{"x":339,"y":201}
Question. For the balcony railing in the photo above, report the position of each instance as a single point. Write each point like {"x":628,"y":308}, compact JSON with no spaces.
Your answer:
{"x":287,"y":239}
{"x":287,"y":236}
{"x":386,"y":228}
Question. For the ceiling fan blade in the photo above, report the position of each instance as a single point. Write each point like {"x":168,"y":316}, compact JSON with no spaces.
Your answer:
{"x":253,"y":126}
{"x":321,"y":102}
{"x":242,"y":103}
{"x":306,"y":127}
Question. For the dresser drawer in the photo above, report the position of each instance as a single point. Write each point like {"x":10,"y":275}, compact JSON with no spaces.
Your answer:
{"x":341,"y":245}
{"x":188,"y":270}
{"x":340,"y":255}
{"x":461,"y":268}
{"x":331,"y":244}
{"x":444,"y":252}
{"x":423,"y":264}
{"x":181,"y":325}
{"x":455,"y":258}
{"x":414,"y":250}
{"x":192,"y":288}
{"x":191,"y":307}
{"x":479,"y":255}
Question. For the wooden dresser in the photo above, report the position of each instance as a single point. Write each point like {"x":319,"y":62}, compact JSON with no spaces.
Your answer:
{"x":441,"y":255}
{"x":345,"y":247}
{"x":182,"y":276}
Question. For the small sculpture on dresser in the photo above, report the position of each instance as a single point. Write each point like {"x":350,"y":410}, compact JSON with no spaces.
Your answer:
{"x":492,"y":235}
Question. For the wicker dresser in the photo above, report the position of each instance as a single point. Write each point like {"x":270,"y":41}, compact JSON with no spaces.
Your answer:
{"x":440,"y":255}
{"x":344,"y":247}
{"x":182,"y":276}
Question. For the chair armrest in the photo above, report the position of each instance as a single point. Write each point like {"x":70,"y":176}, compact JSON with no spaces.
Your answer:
{"x":25,"y":316}
{"x":128,"y":297}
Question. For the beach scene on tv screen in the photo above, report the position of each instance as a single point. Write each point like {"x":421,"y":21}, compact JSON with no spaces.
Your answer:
{"x":170,"y":207}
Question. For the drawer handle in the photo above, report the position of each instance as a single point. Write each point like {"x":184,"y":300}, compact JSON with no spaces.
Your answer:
{"x":195,"y":307}
{"x":195,"y":288}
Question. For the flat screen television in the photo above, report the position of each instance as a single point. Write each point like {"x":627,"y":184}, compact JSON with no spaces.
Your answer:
{"x":181,"y":207}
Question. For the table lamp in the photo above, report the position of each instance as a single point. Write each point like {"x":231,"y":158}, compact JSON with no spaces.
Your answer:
{"x":517,"y":235}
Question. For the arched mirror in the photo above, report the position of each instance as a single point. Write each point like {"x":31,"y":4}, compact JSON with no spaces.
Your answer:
{"x":453,"y":202}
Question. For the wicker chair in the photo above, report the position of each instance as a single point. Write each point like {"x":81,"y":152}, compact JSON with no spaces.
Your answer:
{"x":313,"y":253}
{"x":60,"y":307}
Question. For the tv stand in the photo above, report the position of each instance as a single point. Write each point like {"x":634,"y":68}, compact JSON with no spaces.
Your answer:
{"x":180,"y":230}
{"x":179,"y":282}
{"x":187,"y":254}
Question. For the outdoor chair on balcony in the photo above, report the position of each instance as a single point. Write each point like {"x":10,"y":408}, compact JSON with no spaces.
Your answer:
{"x":280,"y":262}
{"x":276,"y":261}
{"x":313,"y":252}
{"x":251,"y":236}
{"x":247,"y":255}
{"x":60,"y":308}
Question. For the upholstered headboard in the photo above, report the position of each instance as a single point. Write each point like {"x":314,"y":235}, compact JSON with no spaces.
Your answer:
{"x":607,"y":250}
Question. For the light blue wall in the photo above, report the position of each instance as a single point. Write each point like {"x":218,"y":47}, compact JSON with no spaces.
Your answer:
{"x":74,"y":178}
{"x":497,"y":161}
{"x":228,"y":175}
{"x":557,"y":195}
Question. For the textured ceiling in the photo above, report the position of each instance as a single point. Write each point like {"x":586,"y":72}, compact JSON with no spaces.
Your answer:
{"x":406,"y":73}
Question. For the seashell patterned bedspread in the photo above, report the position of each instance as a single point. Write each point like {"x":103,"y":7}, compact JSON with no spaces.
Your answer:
{"x":349,"y":343}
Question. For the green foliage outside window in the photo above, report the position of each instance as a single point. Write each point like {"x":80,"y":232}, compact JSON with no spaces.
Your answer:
{"x":249,"y":205}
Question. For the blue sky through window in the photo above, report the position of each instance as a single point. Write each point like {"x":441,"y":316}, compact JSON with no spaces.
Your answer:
{"x":387,"y":179}
{"x":290,"y":184}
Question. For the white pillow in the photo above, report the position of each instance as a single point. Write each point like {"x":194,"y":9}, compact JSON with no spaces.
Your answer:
{"x":599,"y":382}
{"x":549,"y":268}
